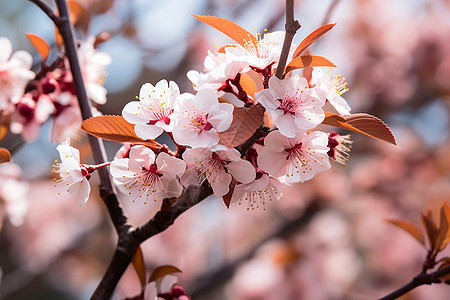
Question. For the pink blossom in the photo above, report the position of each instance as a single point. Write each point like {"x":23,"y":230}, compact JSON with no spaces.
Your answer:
{"x":294,"y":159}
{"x":29,"y":114}
{"x":263,"y":53}
{"x":218,"y":167}
{"x":200,"y":118}
{"x":219,"y":67}
{"x":292,"y":105}
{"x":144,"y":175}
{"x":258,"y":192}
{"x":93,"y":64}
{"x":13,"y":194}
{"x":73,"y":175}
{"x":14,"y":73}
{"x":331,"y":88}
{"x":153,"y":113}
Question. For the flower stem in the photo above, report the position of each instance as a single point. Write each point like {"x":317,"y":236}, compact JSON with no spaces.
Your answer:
{"x":291,"y":28}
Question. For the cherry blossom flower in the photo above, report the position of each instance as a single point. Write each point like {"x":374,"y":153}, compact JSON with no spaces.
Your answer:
{"x":93,"y":64}
{"x":331,"y":88}
{"x":258,"y":192}
{"x":294,"y":159}
{"x":13,"y":194}
{"x":146,"y":176}
{"x":292,"y":105}
{"x":340,"y":147}
{"x":199,"y":119}
{"x":153,"y":113}
{"x":30,"y":113}
{"x":218,"y":167}
{"x":219,"y":67}
{"x":73,"y":174}
{"x":14,"y":73}
{"x":260,"y":54}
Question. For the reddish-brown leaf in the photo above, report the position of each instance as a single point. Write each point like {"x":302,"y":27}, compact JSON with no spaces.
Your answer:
{"x":41,"y":46}
{"x":139,"y":266}
{"x":79,"y":16}
{"x":5,"y":156}
{"x":445,"y":262}
{"x":447,"y":215}
{"x":232,"y":30}
{"x":430,"y":228}
{"x":410,"y":228}
{"x":116,"y":129}
{"x":305,"y":61}
{"x":227,"y":198}
{"x":163,"y":271}
{"x":361,"y":123}
{"x":311,"y":38}
{"x":443,"y":230}
{"x":4,"y":124}
{"x":245,"y":122}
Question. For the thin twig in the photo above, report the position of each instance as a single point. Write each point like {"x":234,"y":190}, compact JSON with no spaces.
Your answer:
{"x":331,"y":8}
{"x":421,"y":279}
{"x":47,"y":10}
{"x":291,"y":28}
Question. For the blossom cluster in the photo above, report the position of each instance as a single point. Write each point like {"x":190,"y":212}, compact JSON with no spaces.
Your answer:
{"x":292,"y":152}
{"x":28,"y":104}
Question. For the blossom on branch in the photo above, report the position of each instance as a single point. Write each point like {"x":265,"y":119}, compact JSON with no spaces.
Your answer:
{"x":153,"y":113}
{"x":258,"y":192}
{"x":261,"y":54}
{"x":218,"y":167}
{"x":292,"y":106}
{"x":199,"y":118}
{"x":331,"y":88}
{"x":294,"y":159}
{"x":73,"y":175}
{"x":93,"y":64}
{"x":219,"y":67}
{"x":14,"y":73}
{"x":146,"y":176}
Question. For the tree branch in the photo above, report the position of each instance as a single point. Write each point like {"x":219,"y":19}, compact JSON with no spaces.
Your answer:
{"x":47,"y":10}
{"x":291,"y":28}
{"x":421,"y":279}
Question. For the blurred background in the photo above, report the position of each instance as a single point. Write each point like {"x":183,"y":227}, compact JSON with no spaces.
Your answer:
{"x":327,"y":238}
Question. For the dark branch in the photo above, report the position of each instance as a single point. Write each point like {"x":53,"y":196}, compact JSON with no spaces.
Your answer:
{"x":291,"y":28}
{"x":421,"y":279}
{"x":47,"y":10}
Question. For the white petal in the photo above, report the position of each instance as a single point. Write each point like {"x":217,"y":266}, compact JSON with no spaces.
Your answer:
{"x":221,"y":116}
{"x":133,"y":113}
{"x":80,"y":191}
{"x":267,"y":100}
{"x":169,"y":165}
{"x":147,"y":132}
{"x":287,"y":125}
{"x":221,"y":187}
{"x":5,"y":49}
{"x":140,"y":156}
{"x":242,"y":170}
